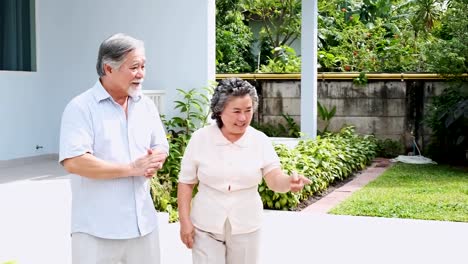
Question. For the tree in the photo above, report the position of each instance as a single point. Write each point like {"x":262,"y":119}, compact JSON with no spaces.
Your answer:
{"x":427,"y":12}
{"x":233,"y":38}
{"x":448,"y":54}
{"x":281,"y":21}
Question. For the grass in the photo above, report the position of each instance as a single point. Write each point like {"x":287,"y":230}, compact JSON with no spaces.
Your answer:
{"x":430,"y":192}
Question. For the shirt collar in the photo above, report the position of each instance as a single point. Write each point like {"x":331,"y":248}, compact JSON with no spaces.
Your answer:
{"x":220,"y":140}
{"x":101,"y":94}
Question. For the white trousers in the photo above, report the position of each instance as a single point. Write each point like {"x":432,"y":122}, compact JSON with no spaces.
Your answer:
{"x":209,"y":248}
{"x":88,"y":249}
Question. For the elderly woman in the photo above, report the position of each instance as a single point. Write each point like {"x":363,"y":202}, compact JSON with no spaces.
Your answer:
{"x":228,"y":160}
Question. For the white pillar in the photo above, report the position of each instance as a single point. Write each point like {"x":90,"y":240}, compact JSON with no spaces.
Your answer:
{"x":309,"y":68}
{"x":185,"y":46}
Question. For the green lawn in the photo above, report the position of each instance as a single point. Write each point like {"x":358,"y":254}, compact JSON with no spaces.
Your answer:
{"x":430,"y":192}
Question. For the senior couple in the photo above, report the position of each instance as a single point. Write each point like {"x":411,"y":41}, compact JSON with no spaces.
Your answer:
{"x":112,"y":141}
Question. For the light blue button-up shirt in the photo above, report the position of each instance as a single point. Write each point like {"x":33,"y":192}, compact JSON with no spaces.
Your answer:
{"x":94,"y":123}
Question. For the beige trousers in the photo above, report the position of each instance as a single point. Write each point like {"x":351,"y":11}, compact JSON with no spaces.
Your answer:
{"x":209,"y":248}
{"x":88,"y":249}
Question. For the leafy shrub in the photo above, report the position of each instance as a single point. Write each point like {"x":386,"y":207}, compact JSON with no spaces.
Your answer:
{"x":291,"y":129}
{"x":324,"y":160}
{"x":361,"y":80}
{"x":194,"y":113}
{"x":326,"y":115}
{"x":448,"y":53}
{"x":388,"y":148}
{"x":283,"y":61}
{"x":447,"y":116}
{"x":329,"y":62}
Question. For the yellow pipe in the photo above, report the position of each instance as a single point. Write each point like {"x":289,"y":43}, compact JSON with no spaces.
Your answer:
{"x":260,"y":76}
{"x":335,"y":76}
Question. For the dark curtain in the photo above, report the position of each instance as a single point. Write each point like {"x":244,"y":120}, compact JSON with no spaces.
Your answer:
{"x":15,"y":35}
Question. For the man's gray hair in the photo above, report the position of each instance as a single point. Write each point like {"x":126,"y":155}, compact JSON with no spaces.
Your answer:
{"x":226,"y":90}
{"x":114,"y":49}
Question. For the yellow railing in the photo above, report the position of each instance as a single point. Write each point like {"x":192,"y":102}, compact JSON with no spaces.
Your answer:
{"x":335,"y":76}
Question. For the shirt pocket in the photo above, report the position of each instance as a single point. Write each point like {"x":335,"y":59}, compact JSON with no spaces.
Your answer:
{"x":107,"y":138}
{"x":143,"y":133}
{"x":111,"y":130}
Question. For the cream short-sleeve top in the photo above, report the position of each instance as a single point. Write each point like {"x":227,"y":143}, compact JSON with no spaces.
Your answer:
{"x":228,"y":175}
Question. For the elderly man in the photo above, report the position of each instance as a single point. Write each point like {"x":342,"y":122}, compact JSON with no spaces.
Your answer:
{"x":112,"y":141}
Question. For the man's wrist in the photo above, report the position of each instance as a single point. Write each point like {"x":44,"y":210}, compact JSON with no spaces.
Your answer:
{"x":132,"y":168}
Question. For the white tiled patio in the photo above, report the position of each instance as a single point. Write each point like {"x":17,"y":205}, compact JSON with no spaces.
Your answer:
{"x":34,"y":229}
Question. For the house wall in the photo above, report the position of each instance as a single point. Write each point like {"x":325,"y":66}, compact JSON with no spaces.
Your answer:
{"x":185,"y":48}
{"x":179,"y":51}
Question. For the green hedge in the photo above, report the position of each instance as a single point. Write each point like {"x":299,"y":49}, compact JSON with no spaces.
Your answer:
{"x":324,"y":160}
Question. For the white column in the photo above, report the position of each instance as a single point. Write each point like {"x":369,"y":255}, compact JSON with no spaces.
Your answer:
{"x":309,"y":68}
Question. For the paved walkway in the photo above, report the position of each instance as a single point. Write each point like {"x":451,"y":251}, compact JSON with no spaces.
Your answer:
{"x":35,"y":216}
{"x":340,"y":194}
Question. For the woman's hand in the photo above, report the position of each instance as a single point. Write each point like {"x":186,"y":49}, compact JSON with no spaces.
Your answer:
{"x":280,"y":182}
{"x":187,"y":233}
{"x":297,"y":182}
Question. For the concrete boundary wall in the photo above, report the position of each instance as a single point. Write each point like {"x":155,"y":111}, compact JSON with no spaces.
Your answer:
{"x":386,"y":108}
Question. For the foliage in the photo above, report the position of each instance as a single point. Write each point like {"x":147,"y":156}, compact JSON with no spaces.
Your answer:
{"x":447,"y":116}
{"x":426,"y":14}
{"x":448,"y":54}
{"x":347,"y":44}
{"x":194,"y":113}
{"x":388,"y":148}
{"x":281,"y":21}
{"x":415,"y":191}
{"x":284,"y":60}
{"x":329,"y":62}
{"x":290,"y":129}
{"x":362,"y":36}
{"x":361,"y":80}
{"x":326,"y":115}
{"x":324,"y":160}
{"x":233,"y":38}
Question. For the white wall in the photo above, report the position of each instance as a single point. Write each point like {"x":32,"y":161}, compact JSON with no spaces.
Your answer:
{"x":178,"y":49}
{"x":188,"y":60}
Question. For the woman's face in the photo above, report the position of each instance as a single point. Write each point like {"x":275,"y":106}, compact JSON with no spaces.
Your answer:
{"x":237,"y":115}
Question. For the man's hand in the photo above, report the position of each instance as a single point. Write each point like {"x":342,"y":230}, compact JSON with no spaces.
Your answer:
{"x":160,"y":157}
{"x":148,"y":164}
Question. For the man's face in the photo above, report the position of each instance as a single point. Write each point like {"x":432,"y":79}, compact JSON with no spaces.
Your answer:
{"x":129,"y":76}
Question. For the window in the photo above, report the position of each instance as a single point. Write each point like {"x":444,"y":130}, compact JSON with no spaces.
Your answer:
{"x":17,"y":35}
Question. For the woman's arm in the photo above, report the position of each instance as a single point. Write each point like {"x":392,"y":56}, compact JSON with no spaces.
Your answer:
{"x":184,"y":199}
{"x":280,"y":182}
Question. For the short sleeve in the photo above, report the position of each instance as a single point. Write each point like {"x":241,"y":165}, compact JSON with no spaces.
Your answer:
{"x":270,"y":157}
{"x":76,"y":133}
{"x":189,"y":165}
{"x":158,"y":135}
